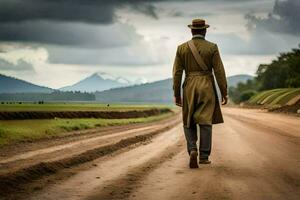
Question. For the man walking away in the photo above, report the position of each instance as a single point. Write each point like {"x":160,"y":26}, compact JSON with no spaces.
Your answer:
{"x":199,"y":59}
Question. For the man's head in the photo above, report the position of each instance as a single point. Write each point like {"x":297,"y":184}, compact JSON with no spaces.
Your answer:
{"x":198,"y":27}
{"x":198,"y":31}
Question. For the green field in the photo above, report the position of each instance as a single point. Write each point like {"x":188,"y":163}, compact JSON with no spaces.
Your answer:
{"x":12,"y":131}
{"x":74,"y":107}
{"x":276,"y":97}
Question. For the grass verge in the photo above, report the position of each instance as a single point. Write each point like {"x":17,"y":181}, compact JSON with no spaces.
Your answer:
{"x":12,"y":131}
{"x":274,"y":98}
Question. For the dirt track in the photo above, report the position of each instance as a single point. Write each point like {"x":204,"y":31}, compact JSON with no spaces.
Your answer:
{"x":255,"y":156}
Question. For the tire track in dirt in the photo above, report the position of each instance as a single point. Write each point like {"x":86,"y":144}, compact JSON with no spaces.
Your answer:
{"x":17,"y":180}
{"x":109,"y":178}
{"x":50,"y":150}
{"x":123,"y":187}
{"x":257,"y":160}
{"x":255,"y":156}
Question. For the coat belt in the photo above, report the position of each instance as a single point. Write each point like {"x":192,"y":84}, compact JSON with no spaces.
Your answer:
{"x":199,"y":73}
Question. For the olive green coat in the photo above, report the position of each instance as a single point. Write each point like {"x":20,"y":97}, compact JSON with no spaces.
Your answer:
{"x":200,"y":101}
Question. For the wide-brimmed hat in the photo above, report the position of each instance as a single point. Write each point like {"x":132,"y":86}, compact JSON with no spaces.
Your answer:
{"x":198,"y":24}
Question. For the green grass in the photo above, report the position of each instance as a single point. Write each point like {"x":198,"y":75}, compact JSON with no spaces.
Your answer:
{"x":276,"y":97}
{"x":74,"y":107}
{"x":273,"y":95}
{"x":286,"y":97}
{"x":259,"y":97}
{"x":12,"y":131}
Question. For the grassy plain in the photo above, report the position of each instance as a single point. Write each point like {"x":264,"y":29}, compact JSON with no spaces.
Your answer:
{"x":12,"y":131}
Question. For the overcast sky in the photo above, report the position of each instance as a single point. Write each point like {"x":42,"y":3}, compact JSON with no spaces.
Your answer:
{"x":56,"y":43}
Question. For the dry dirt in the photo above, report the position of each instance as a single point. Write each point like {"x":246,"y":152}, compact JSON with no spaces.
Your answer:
{"x":255,"y":156}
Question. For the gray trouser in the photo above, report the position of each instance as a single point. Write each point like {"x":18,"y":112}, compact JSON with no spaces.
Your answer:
{"x":205,"y":139}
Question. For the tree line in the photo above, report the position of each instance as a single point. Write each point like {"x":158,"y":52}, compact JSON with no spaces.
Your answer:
{"x":282,"y":72}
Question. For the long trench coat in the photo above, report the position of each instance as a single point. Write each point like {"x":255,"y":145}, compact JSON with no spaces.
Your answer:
{"x":200,"y":101}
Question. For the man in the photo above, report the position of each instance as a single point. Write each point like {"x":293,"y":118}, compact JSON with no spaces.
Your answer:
{"x":199,"y":59}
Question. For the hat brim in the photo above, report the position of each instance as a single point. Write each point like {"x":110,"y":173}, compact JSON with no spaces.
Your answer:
{"x":199,"y":28}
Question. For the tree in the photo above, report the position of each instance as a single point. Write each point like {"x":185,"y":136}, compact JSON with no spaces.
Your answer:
{"x":283,"y":72}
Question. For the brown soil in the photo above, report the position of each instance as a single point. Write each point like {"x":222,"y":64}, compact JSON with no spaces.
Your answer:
{"x":15,"y":181}
{"x":82,"y":114}
{"x":18,"y":170}
{"x":255,"y":156}
{"x":287,"y":109}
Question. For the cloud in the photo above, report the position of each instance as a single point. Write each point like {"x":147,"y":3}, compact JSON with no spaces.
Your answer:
{"x":88,"y":24}
{"x":91,"y":11}
{"x":261,"y":42}
{"x":134,"y":55}
{"x":21,"y":65}
{"x":131,"y":38}
{"x":285,"y":18}
{"x":70,"y":34}
{"x":244,"y":64}
{"x":147,"y":9}
{"x":80,"y":23}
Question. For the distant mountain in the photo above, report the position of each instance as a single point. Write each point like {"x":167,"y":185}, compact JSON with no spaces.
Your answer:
{"x":110,"y":89}
{"x":98,"y":82}
{"x":155,"y":92}
{"x":14,"y":85}
{"x":232,"y":81}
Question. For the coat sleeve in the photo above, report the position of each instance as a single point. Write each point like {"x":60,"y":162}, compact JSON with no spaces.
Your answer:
{"x":177,"y":74}
{"x":219,"y":71}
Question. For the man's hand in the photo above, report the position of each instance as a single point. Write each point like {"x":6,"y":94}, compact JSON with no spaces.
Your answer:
{"x":224,"y":100}
{"x":178,"y":101}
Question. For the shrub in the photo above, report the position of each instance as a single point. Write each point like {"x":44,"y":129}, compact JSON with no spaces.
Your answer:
{"x":246,"y":95}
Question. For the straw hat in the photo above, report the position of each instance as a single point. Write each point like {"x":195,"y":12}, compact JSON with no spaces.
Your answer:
{"x":198,"y":24}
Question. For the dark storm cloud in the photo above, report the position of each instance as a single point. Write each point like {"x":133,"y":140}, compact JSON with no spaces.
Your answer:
{"x":69,"y":22}
{"x":147,"y":9}
{"x":89,"y":11}
{"x":58,"y":21}
{"x":285,"y":18}
{"x":69,"y":34}
{"x":21,"y":65}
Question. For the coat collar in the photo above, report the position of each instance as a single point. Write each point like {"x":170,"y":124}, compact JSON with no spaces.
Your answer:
{"x":198,"y":36}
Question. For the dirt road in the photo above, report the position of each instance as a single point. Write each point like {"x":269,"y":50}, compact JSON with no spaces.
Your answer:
{"x":256,"y":155}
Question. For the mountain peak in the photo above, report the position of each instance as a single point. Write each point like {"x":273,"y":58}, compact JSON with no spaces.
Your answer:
{"x":94,"y":75}
{"x":104,"y":75}
{"x":98,"y":81}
